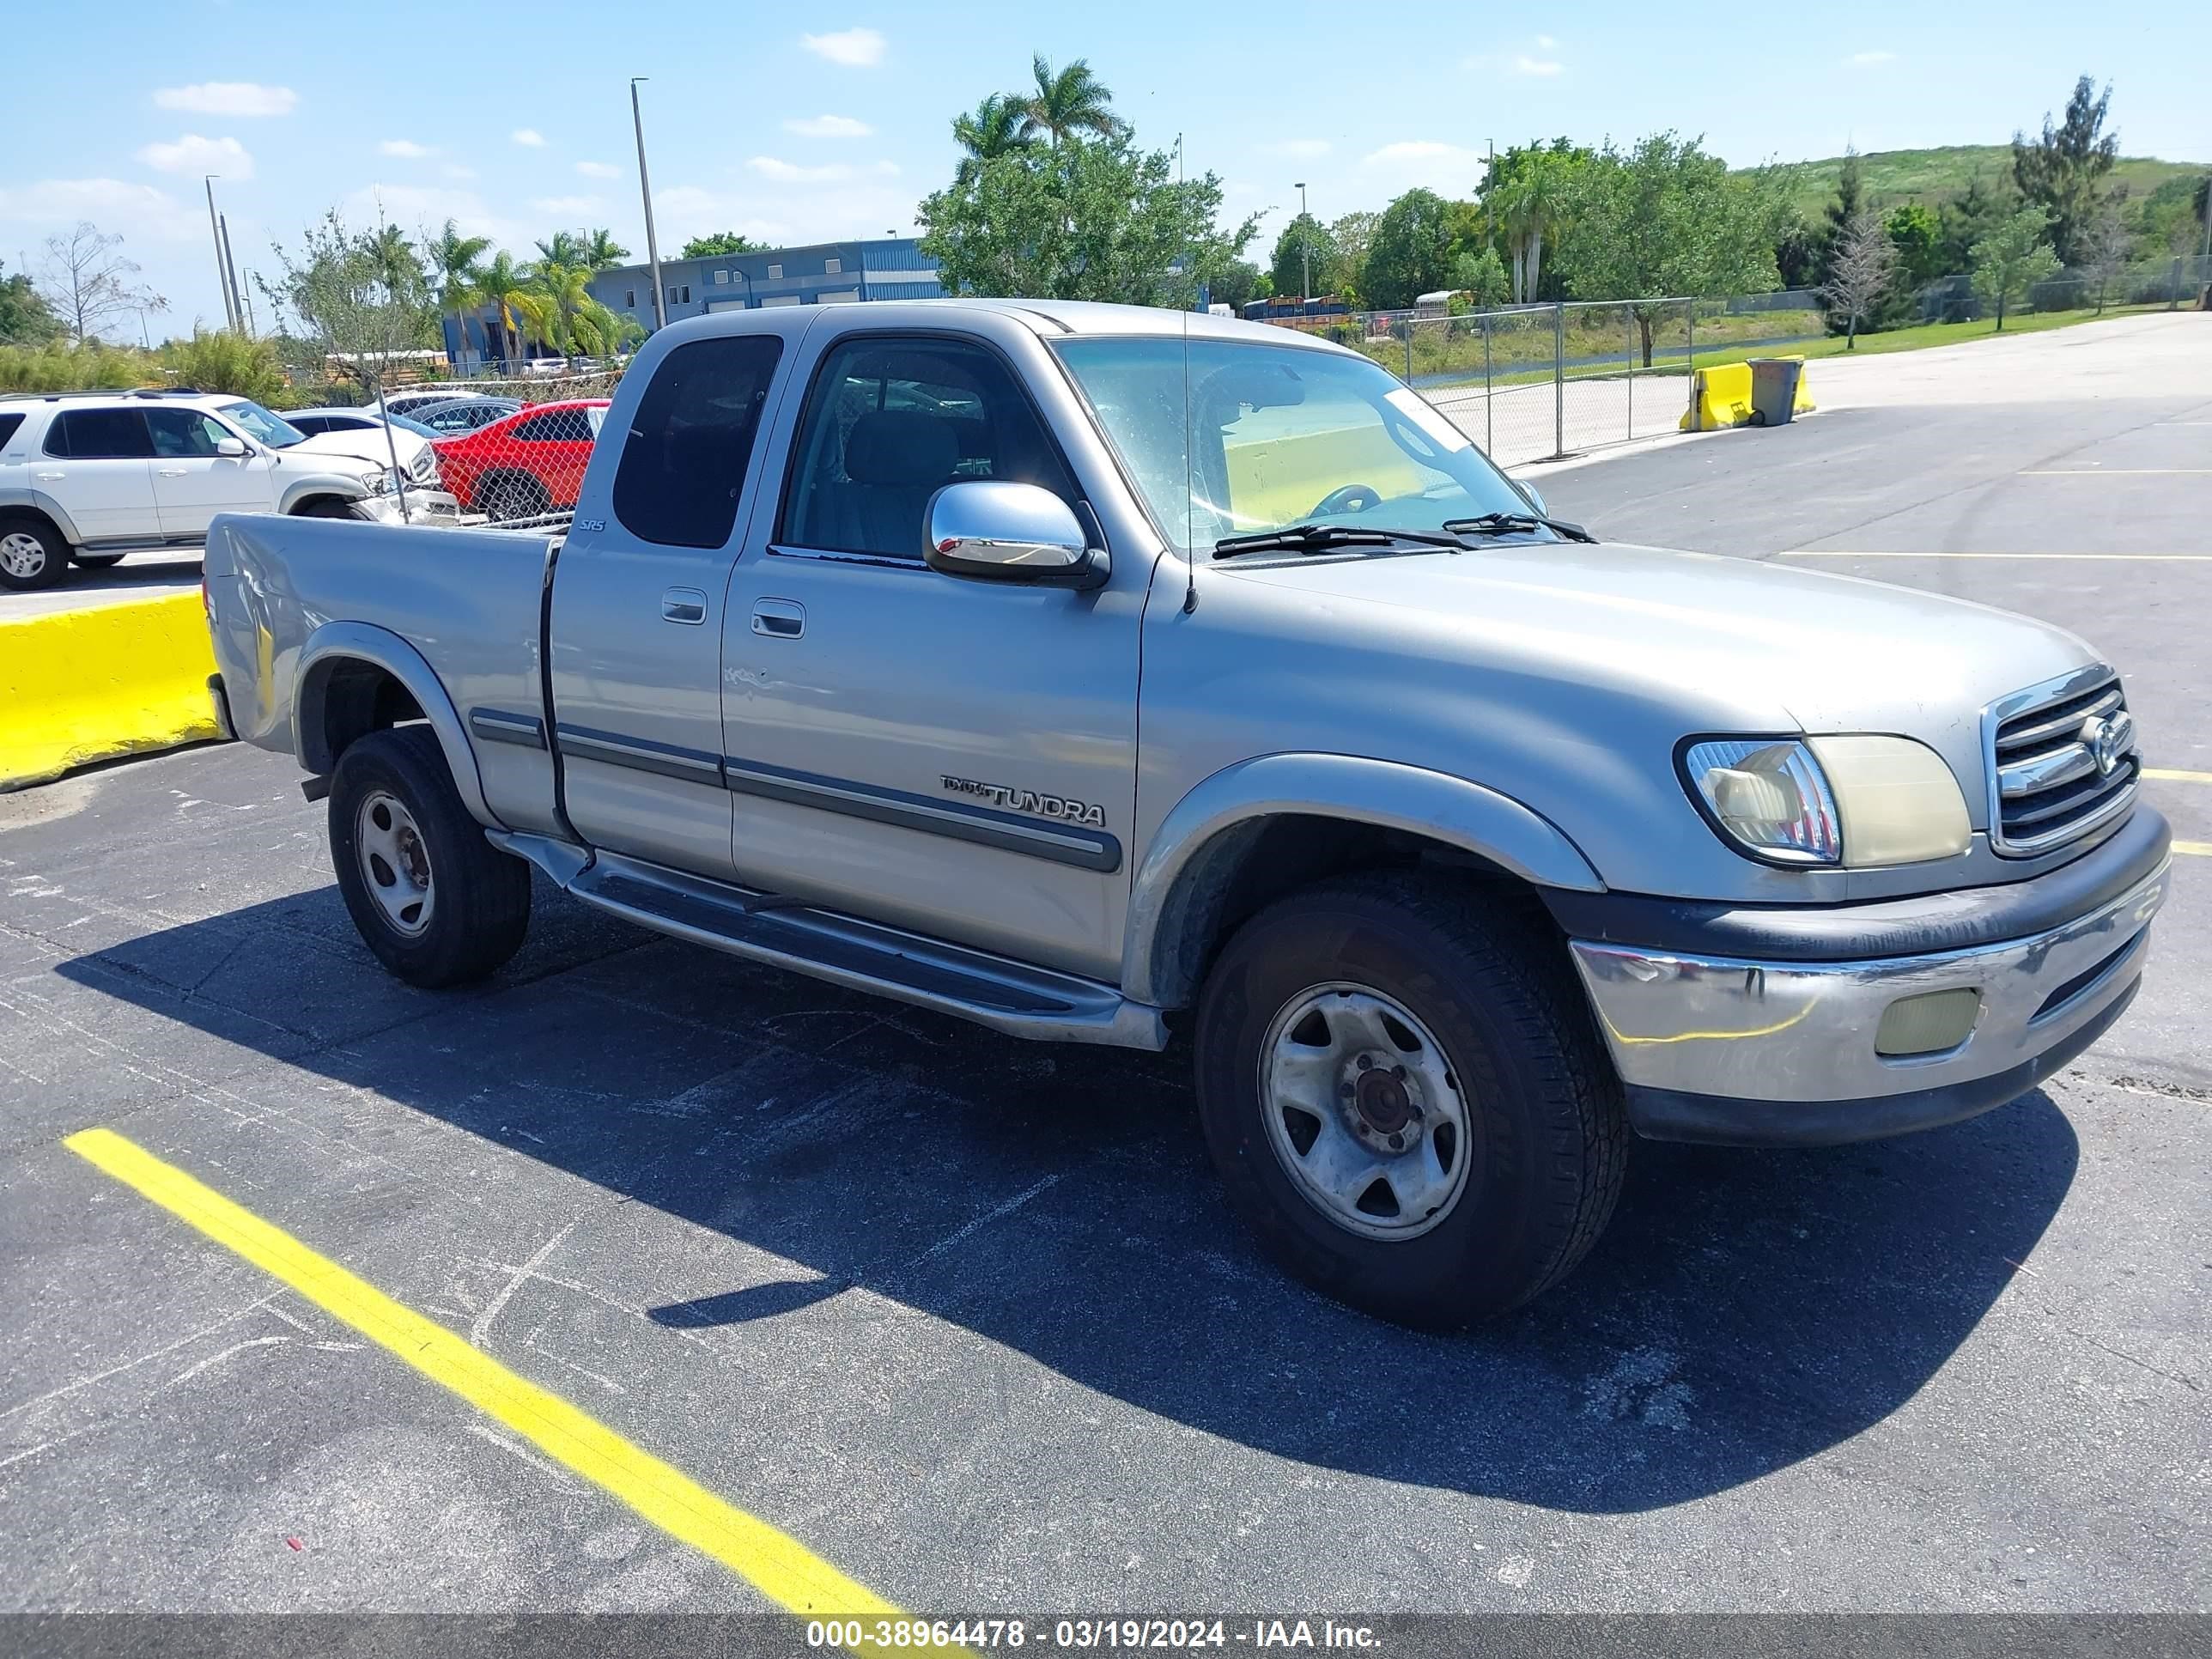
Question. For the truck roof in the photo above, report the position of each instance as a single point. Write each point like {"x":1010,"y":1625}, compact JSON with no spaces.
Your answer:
{"x":1051,"y":319}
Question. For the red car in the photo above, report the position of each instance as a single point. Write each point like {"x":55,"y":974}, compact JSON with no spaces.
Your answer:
{"x":529,"y":463}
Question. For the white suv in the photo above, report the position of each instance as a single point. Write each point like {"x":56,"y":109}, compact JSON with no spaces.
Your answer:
{"x":90,"y":477}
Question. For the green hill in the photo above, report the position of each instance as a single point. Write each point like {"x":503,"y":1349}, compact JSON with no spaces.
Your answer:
{"x":1892,"y":176}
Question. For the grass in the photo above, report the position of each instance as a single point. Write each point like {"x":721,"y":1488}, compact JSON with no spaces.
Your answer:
{"x":1941,"y":334}
{"x":1892,"y":176}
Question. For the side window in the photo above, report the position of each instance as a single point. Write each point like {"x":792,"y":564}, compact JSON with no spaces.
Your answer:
{"x":7,"y":425}
{"x":182,"y":432}
{"x":683,"y":463}
{"x":100,"y":435}
{"x":888,"y":423}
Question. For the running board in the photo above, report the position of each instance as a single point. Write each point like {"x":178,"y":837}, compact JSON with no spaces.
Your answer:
{"x":994,"y":991}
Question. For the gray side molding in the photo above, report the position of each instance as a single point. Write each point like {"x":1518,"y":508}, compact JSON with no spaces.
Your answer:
{"x":38,"y":501}
{"x":338,"y":643}
{"x":1197,"y":844}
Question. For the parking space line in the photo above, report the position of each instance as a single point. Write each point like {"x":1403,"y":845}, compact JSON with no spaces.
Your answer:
{"x":2172,"y":776}
{"x":2202,"y":849}
{"x":778,"y":1565}
{"x":2116,"y":472}
{"x":1892,"y":553}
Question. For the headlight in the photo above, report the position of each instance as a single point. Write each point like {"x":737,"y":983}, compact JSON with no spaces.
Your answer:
{"x":1862,"y":802}
{"x":383,"y":481}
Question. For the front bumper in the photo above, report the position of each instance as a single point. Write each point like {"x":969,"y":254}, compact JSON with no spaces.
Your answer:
{"x":1747,"y":1050}
{"x":436,"y":506}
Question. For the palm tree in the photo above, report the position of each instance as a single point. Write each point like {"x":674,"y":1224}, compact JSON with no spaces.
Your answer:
{"x":600,"y":331}
{"x":452,"y":260}
{"x":507,"y":290}
{"x":1071,"y":101}
{"x":564,"y":293}
{"x":995,"y":130}
{"x":1531,"y":205}
{"x":566,"y":248}
{"x":601,"y":249}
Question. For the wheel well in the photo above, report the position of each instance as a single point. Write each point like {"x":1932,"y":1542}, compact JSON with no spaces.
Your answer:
{"x":348,"y":700}
{"x":511,"y":475}
{"x":1251,"y":864}
{"x":42,"y":520}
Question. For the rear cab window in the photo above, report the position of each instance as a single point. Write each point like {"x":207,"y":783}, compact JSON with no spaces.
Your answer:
{"x":691,"y":438}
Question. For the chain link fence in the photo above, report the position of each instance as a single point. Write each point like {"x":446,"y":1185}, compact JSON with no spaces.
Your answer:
{"x":2172,"y":281}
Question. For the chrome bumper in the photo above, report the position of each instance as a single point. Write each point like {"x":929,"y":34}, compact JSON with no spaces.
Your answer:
{"x":1726,"y":1049}
{"x":423,"y":507}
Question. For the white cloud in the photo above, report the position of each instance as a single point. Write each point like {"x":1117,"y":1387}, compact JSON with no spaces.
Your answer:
{"x":228,"y":98}
{"x":1543,"y":67}
{"x":1451,"y":168}
{"x":577,"y":206}
{"x":193,"y":154}
{"x":790,"y":172}
{"x":115,"y":205}
{"x":528,"y":137}
{"x":426,"y":205}
{"x":1869,"y":59}
{"x":1297,"y":150}
{"x":829,"y":126}
{"x":785,"y":217}
{"x":1413,"y":151}
{"x":599,"y":170}
{"x":854,"y":48}
{"x":405,"y":148}
{"x":454,"y":170}
{"x":1544,"y":43}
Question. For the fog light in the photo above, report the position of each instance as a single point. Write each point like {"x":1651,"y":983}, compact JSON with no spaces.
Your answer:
{"x":1928,"y":1023}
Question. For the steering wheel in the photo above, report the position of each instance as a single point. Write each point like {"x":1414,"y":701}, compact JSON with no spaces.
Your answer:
{"x":1351,"y":498}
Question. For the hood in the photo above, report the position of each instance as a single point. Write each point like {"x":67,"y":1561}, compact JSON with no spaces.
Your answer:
{"x":1767,"y":645}
{"x":366,"y":446}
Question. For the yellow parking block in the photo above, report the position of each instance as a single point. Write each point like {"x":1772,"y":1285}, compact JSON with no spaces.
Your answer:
{"x":778,"y":1565}
{"x":83,"y":685}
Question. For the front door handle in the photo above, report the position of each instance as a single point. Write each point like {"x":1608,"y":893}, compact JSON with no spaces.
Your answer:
{"x":780,"y":619}
{"x":48,"y":477}
{"x":172,"y":471}
{"x":687,"y":605}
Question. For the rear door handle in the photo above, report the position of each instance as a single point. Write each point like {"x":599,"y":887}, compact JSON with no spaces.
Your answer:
{"x":683,"y":604}
{"x":780,"y":619}
{"x":171,"y":471}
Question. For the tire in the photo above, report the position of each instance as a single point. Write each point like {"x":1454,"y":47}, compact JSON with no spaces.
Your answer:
{"x":96,"y":560}
{"x":33,"y":554}
{"x":1515,"y":1129}
{"x":324,"y":507}
{"x":398,"y":829}
{"x":510,"y":495}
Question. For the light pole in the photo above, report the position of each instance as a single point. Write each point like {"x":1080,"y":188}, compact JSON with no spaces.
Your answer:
{"x":645,"y":185}
{"x":222,"y":265}
{"x":1305,"y":246}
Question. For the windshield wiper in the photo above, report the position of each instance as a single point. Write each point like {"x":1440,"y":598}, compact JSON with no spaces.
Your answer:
{"x":1327,"y":537}
{"x":1499,"y":524}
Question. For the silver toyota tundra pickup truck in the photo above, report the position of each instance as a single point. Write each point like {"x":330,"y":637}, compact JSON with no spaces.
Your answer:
{"x":1110,"y":675}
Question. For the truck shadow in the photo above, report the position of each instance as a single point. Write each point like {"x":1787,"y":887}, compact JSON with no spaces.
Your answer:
{"x":1746,"y":1311}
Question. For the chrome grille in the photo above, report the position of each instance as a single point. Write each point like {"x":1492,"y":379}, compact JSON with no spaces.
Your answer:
{"x":2063,"y":762}
{"x":423,"y":468}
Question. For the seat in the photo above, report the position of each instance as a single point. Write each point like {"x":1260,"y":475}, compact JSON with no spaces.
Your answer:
{"x":895,"y":459}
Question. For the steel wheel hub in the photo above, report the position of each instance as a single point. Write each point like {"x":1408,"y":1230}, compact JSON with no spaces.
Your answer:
{"x":395,"y":862}
{"x":1364,"y":1111}
{"x":22,"y":554}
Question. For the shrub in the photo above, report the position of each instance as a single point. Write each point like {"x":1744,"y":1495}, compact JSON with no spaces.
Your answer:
{"x":220,"y":360}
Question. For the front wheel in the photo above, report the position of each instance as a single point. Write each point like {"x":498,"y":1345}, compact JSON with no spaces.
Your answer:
{"x":32,"y":555}
{"x":435,"y":901}
{"x":1405,"y":1098}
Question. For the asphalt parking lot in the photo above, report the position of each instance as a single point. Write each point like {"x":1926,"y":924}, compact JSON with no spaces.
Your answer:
{"x":966,"y":1318}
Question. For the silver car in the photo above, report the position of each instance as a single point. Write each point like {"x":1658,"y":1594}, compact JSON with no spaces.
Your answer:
{"x":1099,"y":674}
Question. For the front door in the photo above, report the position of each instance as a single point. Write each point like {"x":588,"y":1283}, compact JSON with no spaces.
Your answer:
{"x":637,"y":607}
{"x":957,"y":757}
{"x":191,"y":482}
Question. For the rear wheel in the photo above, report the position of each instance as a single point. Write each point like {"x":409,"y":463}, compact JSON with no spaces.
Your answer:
{"x":96,"y":560}
{"x":511,"y":495}
{"x":435,"y":903}
{"x":1402,"y":1091}
{"x":31,"y":554}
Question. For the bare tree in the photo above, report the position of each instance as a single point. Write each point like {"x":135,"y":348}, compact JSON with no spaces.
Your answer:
{"x":88,"y":285}
{"x":1860,"y":270}
{"x":2107,"y":246}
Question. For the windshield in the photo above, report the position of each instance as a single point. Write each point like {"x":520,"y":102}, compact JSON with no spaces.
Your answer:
{"x":261,"y":424}
{"x":416,"y":427}
{"x":1279,"y":435}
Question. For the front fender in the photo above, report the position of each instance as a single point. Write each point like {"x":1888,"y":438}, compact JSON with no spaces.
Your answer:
{"x":38,"y":501}
{"x":1197,"y":841}
{"x":339,"y":642}
{"x":298,"y":490}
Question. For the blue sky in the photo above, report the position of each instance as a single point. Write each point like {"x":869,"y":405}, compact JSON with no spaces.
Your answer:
{"x":792,"y":123}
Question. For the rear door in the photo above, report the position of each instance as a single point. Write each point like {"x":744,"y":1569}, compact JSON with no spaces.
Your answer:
{"x":191,"y":482}
{"x":97,"y":464}
{"x":637,"y":604}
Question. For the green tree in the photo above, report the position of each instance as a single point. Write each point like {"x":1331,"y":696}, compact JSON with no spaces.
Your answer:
{"x":1482,"y":277}
{"x":1068,"y":103}
{"x":362,"y":297}
{"x":1840,"y":214}
{"x":993,"y":128}
{"x":565,"y":247}
{"x":1304,"y":253}
{"x":1917,"y":235}
{"x":1665,"y":220}
{"x":721,"y":242}
{"x":1239,"y":284}
{"x":1087,"y":220}
{"x":454,"y":259}
{"x":1350,"y":236}
{"x":218,"y":360}
{"x":1968,"y":217}
{"x":601,"y":250}
{"x":25,"y":319}
{"x":2171,"y":219}
{"x":563,"y":293}
{"x":1528,"y":200}
{"x":1411,"y":253}
{"x":2012,"y":259}
{"x":2063,"y":171}
{"x":515,"y":303}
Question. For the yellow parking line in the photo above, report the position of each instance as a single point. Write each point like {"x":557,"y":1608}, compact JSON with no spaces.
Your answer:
{"x":779,"y":1566}
{"x":1892,"y":553}
{"x":2174,"y":777}
{"x":2203,"y":849}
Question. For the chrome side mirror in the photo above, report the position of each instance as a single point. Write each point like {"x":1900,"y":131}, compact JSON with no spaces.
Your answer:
{"x":990,"y":530}
{"x":230,"y":448}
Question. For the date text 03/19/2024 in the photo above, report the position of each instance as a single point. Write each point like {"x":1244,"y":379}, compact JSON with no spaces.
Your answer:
{"x":1110,"y":1635}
